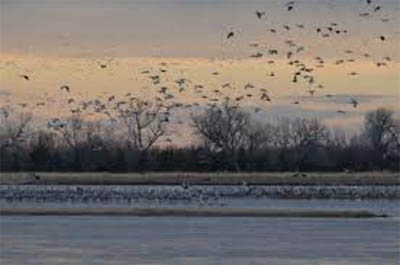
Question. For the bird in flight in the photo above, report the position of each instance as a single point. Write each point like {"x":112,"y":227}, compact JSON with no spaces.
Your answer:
{"x":289,"y":5}
{"x":230,"y":35}
{"x":164,"y":90}
{"x":354,"y":102}
{"x":254,"y":45}
{"x":65,"y":87}
{"x":377,"y":8}
{"x":273,"y":51}
{"x":257,"y":55}
{"x":226,"y":85}
{"x":265,"y":97}
{"x":248,"y":85}
{"x":260,"y":14}
{"x":25,"y":77}
{"x":365,"y":14}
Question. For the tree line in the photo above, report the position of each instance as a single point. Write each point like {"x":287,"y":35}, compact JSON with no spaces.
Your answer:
{"x":231,"y":139}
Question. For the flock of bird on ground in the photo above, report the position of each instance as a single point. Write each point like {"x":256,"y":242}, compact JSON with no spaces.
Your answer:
{"x":302,"y":73}
{"x":199,"y":195}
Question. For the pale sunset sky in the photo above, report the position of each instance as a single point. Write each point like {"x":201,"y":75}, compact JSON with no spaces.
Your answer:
{"x":64,"y":42}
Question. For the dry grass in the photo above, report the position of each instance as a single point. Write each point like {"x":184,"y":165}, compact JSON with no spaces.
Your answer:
{"x":171,"y":178}
{"x":188,"y":212}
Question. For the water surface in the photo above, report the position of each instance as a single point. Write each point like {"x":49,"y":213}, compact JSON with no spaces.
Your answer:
{"x":176,"y":240}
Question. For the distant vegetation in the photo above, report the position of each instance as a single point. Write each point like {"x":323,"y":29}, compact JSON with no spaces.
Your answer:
{"x":231,"y":140}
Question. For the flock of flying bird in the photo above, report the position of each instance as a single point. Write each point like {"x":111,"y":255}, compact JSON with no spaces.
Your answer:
{"x":302,"y":72}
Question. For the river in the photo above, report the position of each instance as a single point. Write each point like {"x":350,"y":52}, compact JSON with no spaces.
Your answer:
{"x":177,"y":240}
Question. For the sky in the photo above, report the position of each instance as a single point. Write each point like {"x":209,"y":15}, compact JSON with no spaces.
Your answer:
{"x":183,"y":28}
{"x":58,"y":42}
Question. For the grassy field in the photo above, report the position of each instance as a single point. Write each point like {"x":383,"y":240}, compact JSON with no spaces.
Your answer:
{"x":173,"y":178}
{"x":189,"y":212}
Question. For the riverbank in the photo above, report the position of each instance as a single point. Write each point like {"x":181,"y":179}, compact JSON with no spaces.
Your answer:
{"x":179,"y":178}
{"x":187,"y":212}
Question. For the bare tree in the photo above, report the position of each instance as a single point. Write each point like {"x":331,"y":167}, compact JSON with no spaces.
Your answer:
{"x":72,"y":133}
{"x":382,"y":131}
{"x":70,"y":129}
{"x":337,"y":143}
{"x":301,"y":136}
{"x":258,"y":137}
{"x":144,"y":121}
{"x":13,"y":129}
{"x":42,"y":149}
{"x":223,"y":129}
{"x":395,"y":132}
{"x":336,"y":138}
{"x":97,"y":135}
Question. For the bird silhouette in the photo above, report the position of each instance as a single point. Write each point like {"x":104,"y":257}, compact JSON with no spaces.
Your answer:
{"x":260,"y":14}
{"x":273,"y":51}
{"x":377,"y":8}
{"x":164,"y":90}
{"x":354,"y":102}
{"x":257,"y":55}
{"x":248,"y":85}
{"x":65,"y":87}
{"x":230,"y":35}
{"x":265,"y":97}
{"x":311,"y":92}
{"x":26,"y":77}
